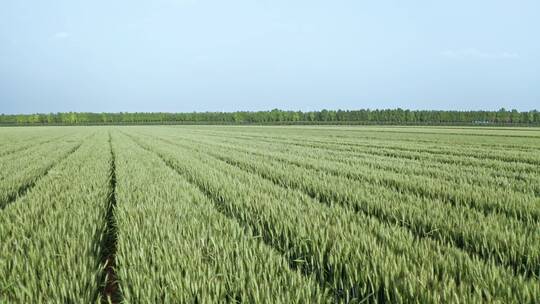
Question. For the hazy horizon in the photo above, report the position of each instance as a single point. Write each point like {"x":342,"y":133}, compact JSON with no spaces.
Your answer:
{"x":189,"y":55}
{"x":268,"y":110}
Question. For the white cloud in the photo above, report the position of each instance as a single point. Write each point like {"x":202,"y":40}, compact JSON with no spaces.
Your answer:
{"x":475,"y":53}
{"x":61,"y":35}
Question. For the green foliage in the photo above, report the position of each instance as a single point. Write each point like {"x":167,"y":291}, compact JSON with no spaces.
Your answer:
{"x":213,"y":214}
{"x":473,"y":224}
{"x":364,"y":116}
{"x":189,"y":252}
{"x":287,"y":218}
{"x":19,"y":173}
{"x":50,"y":237}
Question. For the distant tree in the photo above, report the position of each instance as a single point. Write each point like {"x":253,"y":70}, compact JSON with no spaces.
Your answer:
{"x":397,"y":116}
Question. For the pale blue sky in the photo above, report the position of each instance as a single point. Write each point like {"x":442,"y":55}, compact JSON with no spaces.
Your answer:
{"x":202,"y":55}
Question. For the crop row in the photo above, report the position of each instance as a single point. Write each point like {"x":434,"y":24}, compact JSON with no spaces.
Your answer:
{"x":486,"y":199}
{"x":457,"y":175}
{"x":280,"y":215}
{"x":13,"y":149}
{"x":175,"y":246}
{"x":472,"y":171}
{"x":494,"y":151}
{"x":411,"y":153}
{"x":486,"y":138}
{"x":50,"y":238}
{"x":492,"y":237}
{"x":355,"y":255}
{"x":20,"y":171}
{"x":458,"y":184}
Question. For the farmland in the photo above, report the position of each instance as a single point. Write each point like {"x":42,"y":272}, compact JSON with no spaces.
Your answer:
{"x":306,"y":214}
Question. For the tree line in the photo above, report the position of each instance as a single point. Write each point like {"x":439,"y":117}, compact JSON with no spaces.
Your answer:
{"x":364,"y":116}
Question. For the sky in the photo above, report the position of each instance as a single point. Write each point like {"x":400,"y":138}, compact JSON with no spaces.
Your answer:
{"x":214,"y":55}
